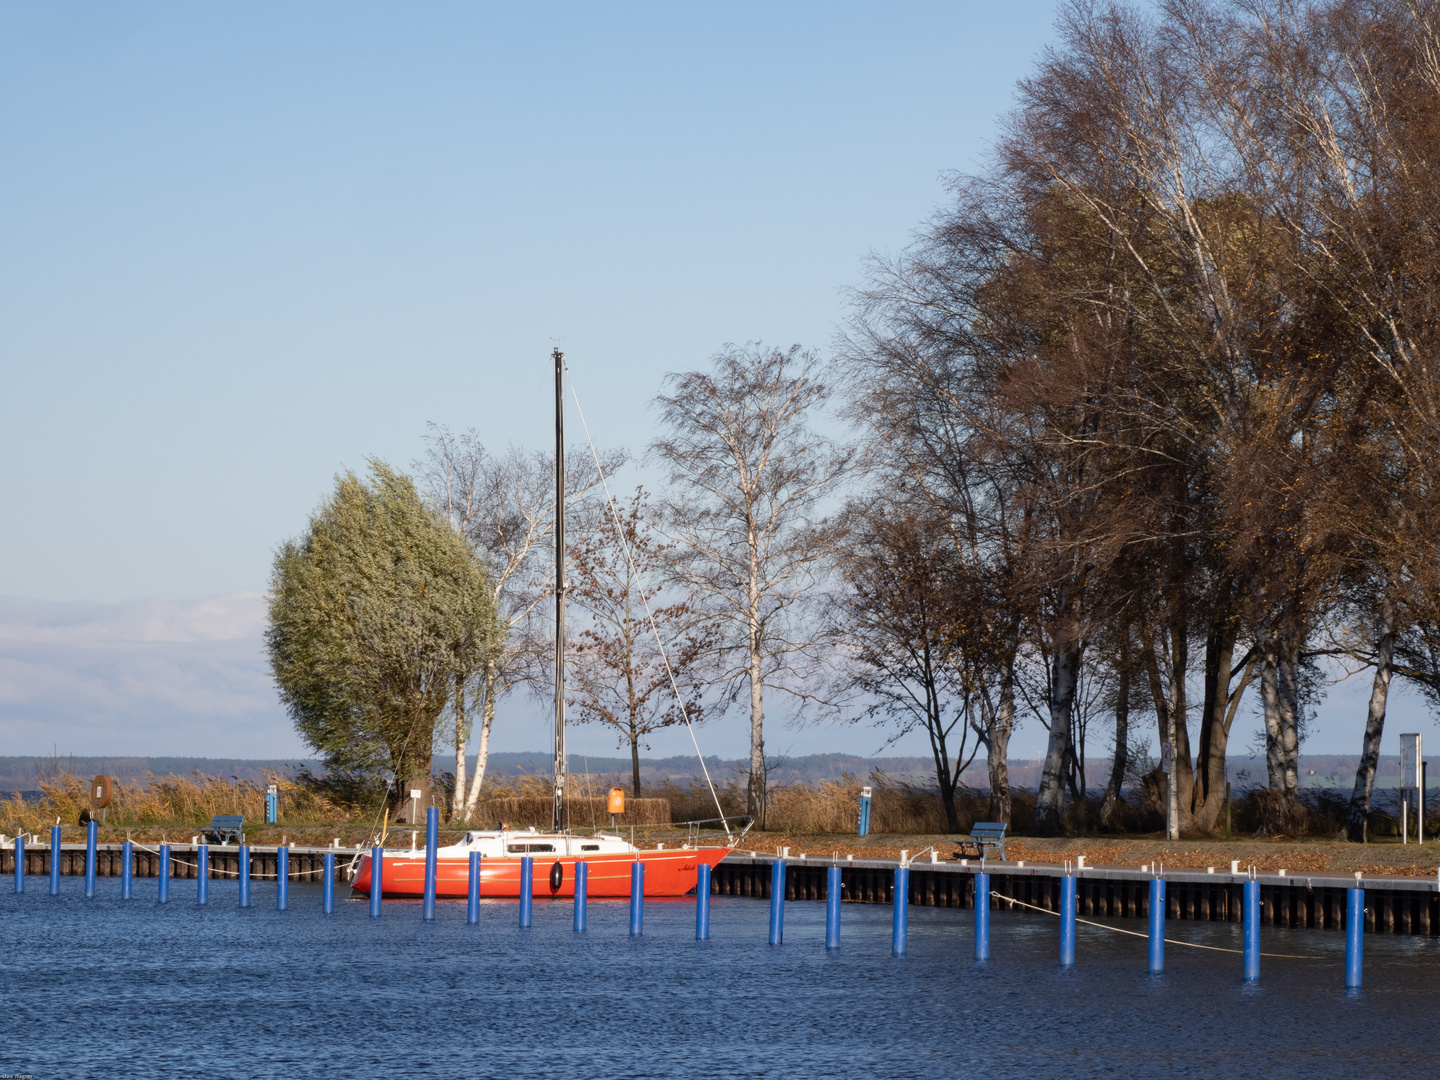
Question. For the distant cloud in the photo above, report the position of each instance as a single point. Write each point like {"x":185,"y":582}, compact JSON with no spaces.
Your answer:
{"x":142,"y":677}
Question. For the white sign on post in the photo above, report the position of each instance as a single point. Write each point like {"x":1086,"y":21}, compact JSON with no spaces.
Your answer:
{"x":1410,"y":762}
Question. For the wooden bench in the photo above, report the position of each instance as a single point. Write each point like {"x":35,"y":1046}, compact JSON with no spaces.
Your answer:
{"x":984,"y":836}
{"x":225,"y":827}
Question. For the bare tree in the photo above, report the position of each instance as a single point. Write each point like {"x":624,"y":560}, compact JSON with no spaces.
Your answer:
{"x":751,"y":483}
{"x":638,"y":659}
{"x":505,"y":507}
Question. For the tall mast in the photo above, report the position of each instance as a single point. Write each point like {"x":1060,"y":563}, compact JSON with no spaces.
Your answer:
{"x":558,"y":821}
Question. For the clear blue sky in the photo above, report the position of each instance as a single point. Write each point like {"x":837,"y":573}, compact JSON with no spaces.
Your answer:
{"x":243,"y":246}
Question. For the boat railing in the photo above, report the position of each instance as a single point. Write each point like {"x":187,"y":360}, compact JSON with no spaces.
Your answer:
{"x":695,"y":834}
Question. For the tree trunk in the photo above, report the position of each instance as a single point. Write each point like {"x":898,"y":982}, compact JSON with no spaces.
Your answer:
{"x":1208,"y":799}
{"x":997,"y":753}
{"x":482,"y":752}
{"x":1359,"y":811}
{"x":1279,"y":690}
{"x":635,"y":761}
{"x":1065,"y":670}
{"x":1110,"y":804}
{"x":462,"y":736}
{"x":755,"y":791}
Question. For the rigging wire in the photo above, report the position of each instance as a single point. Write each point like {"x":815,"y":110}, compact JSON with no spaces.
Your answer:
{"x":649,"y":615}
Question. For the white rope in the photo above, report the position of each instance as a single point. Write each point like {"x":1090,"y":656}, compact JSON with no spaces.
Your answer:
{"x":620,"y":533}
{"x":256,"y":874}
{"x":1136,"y":933}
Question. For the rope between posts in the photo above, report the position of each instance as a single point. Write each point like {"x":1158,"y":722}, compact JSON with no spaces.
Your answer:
{"x":255,"y":874}
{"x":1136,"y":933}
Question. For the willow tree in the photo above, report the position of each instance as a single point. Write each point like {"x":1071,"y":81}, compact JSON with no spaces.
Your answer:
{"x":376,"y":613}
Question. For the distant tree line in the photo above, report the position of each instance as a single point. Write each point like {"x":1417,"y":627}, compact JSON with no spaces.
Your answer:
{"x":1146,"y":418}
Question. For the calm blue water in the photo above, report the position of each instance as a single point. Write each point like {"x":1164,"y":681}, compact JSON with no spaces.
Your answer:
{"x":105,"y":989}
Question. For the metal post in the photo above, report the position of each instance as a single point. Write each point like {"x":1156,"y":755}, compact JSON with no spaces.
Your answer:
{"x":282,"y":878}
{"x":472,"y":900}
{"x":90,"y":859}
{"x":702,"y":902}
{"x":327,"y":892}
{"x":244,"y":875}
{"x":19,"y":864}
{"x":1157,"y":925}
{"x":127,"y":869}
{"x":202,"y":874}
{"x":901,"y":903}
{"x":1354,"y":936}
{"x":1251,"y":908}
{"x":55,"y":860}
{"x":1067,"y":921}
{"x":432,"y":840}
{"x":637,"y":898}
{"x":164,"y":881}
{"x":982,"y":916}
{"x":527,"y":888}
{"x":777,"y":901}
{"x":863,"y":825}
{"x":832,"y":908}
{"x":582,"y":891}
{"x":377,"y":879}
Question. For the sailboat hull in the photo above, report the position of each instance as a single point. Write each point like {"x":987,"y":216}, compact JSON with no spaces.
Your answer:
{"x":667,"y":873}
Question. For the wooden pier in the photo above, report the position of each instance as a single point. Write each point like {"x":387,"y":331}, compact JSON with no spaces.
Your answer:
{"x":306,"y":863}
{"x":1309,"y":901}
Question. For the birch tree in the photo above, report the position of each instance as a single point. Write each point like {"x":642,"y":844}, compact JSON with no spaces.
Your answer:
{"x":751,"y":484}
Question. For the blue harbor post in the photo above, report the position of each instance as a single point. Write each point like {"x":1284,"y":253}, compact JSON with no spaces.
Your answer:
{"x":901,"y":904}
{"x":527,"y":888}
{"x":982,"y":916}
{"x":127,"y":869}
{"x":272,"y":805}
{"x":777,"y":901}
{"x":832,"y":908}
{"x":1251,"y":909}
{"x":702,"y":902}
{"x":244,"y":875}
{"x":164,"y":881}
{"x":1354,"y":939}
{"x":282,"y":878}
{"x":377,"y":879}
{"x":19,"y":864}
{"x":582,"y":889}
{"x":472,"y":900}
{"x":90,"y":828}
{"x":637,"y":898}
{"x":432,"y":839}
{"x":1067,"y":921}
{"x":202,"y":874}
{"x":863,"y":827}
{"x":327,"y":893}
{"x":55,"y":860}
{"x":1157,"y":925}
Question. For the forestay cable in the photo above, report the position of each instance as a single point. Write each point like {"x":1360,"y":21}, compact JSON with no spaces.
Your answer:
{"x":649,"y":615}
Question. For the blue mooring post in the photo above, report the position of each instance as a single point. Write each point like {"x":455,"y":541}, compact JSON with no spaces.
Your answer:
{"x":377,"y":879}
{"x":1251,"y":910}
{"x":202,"y":874}
{"x":1067,"y":921}
{"x":90,"y":859}
{"x":164,"y":881}
{"x":901,"y":903}
{"x":582,"y":889}
{"x":472,"y":904}
{"x":982,"y":916}
{"x":1157,"y":925}
{"x":702,"y":902}
{"x":327,"y":893}
{"x":527,"y":888}
{"x":832,"y":908}
{"x":55,"y":860}
{"x":1354,"y":936}
{"x":244,"y":875}
{"x":282,"y":878}
{"x":432,"y":840}
{"x":127,"y":869}
{"x":637,"y":898}
{"x":777,"y":901}
{"x":19,"y":864}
